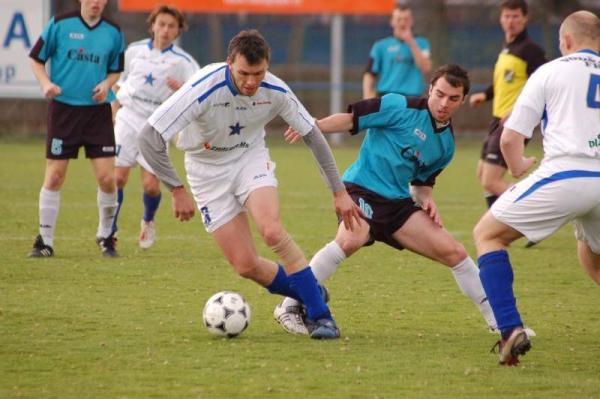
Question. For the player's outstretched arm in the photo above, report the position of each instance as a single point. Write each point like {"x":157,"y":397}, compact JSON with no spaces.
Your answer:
{"x":512,"y":145}
{"x":344,"y":206}
{"x":154,"y":151}
{"x":335,"y":123}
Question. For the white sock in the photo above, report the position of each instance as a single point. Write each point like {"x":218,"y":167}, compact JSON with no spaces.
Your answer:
{"x":466,"y":275}
{"x":48,"y":210}
{"x":323,"y":265}
{"x":326,"y":261}
{"x":107,"y":209}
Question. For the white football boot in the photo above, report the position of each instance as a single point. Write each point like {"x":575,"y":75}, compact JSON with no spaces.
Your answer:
{"x":290,"y":319}
{"x":147,"y":234}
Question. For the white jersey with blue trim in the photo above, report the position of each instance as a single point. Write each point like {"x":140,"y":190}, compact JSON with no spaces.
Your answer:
{"x":217,"y":123}
{"x":565,"y":95}
{"x":143,"y":83}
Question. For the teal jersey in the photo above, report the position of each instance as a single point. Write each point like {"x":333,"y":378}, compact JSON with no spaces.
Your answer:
{"x":392,"y":62}
{"x":80,"y":56}
{"x":403,"y":145}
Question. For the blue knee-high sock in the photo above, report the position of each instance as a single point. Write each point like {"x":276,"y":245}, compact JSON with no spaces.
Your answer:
{"x":281,"y":285}
{"x":150,"y":206}
{"x":120,"y":196}
{"x":306,"y":286}
{"x":497,"y":277}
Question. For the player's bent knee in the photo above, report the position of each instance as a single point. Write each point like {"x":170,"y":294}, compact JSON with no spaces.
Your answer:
{"x":107,"y":183}
{"x":272,"y":234}
{"x":245,"y":267}
{"x":451,"y":253}
{"x":349,"y":246}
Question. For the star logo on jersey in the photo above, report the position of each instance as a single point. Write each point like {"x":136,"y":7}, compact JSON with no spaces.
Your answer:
{"x":236,"y":129}
{"x":149,"y":79}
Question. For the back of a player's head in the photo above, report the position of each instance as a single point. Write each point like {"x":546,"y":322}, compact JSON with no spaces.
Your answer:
{"x":250,"y":44}
{"x":584,"y":29}
{"x":170,"y":10}
{"x":514,"y":5}
{"x":455,"y":75}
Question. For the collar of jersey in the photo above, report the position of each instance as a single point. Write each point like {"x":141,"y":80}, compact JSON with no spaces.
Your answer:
{"x":229,"y":82}
{"x":588,"y":51}
{"x":520,"y":37}
{"x":88,"y":26}
{"x":151,"y":46}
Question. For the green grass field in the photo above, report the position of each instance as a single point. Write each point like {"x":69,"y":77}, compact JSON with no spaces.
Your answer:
{"x":78,"y":325}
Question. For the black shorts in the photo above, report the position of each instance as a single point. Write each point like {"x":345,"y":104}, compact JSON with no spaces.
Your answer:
{"x":70,"y":127}
{"x":490,"y":152}
{"x":384,"y":216}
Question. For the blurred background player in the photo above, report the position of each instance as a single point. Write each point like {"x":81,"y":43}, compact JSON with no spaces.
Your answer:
{"x":226,"y":106}
{"x":519,"y":58}
{"x":565,"y":95}
{"x":420,"y":130}
{"x":154,"y":69}
{"x":398,"y":63}
{"x":86,"y":54}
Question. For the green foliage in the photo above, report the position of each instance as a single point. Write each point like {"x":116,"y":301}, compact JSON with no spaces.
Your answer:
{"x":79,"y":325}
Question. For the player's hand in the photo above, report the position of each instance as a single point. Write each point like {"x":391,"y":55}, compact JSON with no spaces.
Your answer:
{"x":183,"y":204}
{"x":406,"y":35}
{"x":430,"y":208}
{"x":51,"y":90}
{"x":349,"y":211}
{"x":291,"y":136}
{"x":100,"y":92}
{"x":174,"y":84}
{"x":476,"y":99}
{"x":526,"y":163}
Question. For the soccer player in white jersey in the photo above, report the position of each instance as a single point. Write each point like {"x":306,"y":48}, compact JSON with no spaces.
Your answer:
{"x":565,"y":95}
{"x":223,"y":109}
{"x":154,"y":69}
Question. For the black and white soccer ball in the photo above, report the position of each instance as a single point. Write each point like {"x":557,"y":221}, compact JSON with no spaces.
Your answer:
{"x":226,"y":314}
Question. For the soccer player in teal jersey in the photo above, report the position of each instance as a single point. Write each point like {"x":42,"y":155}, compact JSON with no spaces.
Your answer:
{"x":409,"y":141}
{"x":86,"y":53}
{"x":398,"y":63}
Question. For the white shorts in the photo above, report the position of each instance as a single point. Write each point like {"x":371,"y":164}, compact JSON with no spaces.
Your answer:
{"x":127,"y":126}
{"x":221,"y":191}
{"x":549,"y":198}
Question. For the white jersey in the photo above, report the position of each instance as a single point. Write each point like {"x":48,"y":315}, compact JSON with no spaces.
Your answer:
{"x":217,"y":124}
{"x":565,"y":95}
{"x":143,"y":83}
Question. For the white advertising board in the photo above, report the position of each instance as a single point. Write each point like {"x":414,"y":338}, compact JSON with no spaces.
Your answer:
{"x":21,"y":23}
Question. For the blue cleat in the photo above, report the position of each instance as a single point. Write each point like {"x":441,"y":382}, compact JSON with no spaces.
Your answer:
{"x":322,"y":329}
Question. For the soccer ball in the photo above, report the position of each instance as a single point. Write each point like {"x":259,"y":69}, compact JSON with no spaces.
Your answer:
{"x":226,"y":314}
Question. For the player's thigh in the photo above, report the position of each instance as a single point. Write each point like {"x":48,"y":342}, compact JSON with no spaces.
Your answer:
{"x":491,"y":234}
{"x":421,"y":235}
{"x":263,"y":205}
{"x":235,"y":240}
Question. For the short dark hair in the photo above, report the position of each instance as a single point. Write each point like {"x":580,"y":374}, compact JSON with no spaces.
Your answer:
{"x":455,"y":75}
{"x":251,"y":44}
{"x":163,"y":9}
{"x":515,"y":4}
